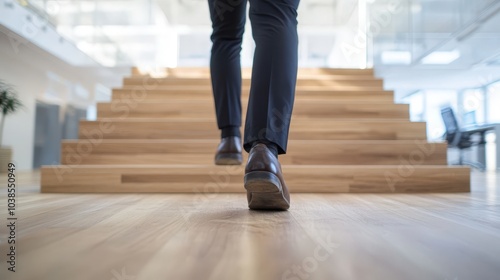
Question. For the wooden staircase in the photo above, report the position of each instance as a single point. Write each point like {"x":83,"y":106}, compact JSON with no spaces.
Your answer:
{"x":160,"y":135}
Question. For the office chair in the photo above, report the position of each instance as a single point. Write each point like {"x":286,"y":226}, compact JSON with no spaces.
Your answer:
{"x":457,"y":138}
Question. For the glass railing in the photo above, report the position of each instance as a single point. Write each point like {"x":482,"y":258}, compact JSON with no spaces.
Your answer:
{"x":96,"y":45}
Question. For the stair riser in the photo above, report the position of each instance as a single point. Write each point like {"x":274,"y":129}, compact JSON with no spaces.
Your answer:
{"x":193,"y":109}
{"x":374,"y":83}
{"x":193,"y":71}
{"x":143,"y":95}
{"x":83,"y":152}
{"x":354,"y":90}
{"x":227,"y":179}
{"x":300,"y":130}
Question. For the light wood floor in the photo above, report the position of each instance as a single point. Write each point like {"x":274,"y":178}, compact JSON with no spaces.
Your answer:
{"x":323,"y":236}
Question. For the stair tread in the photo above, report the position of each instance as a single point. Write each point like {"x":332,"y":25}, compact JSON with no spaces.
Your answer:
{"x":304,"y":100}
{"x":204,"y":120}
{"x":245,"y":90}
{"x":325,"y":77}
{"x":318,"y":152}
{"x":339,"y":141}
{"x":211,"y":166}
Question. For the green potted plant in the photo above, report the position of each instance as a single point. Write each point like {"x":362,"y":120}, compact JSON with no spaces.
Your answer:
{"x":9,"y":103}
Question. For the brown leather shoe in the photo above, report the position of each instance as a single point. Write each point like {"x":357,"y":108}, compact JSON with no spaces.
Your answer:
{"x":266,"y":188}
{"x":229,"y":151}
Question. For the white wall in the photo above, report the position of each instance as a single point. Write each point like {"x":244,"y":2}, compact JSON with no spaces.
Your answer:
{"x":19,"y":127}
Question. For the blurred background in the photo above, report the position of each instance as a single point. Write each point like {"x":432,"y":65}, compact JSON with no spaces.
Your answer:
{"x":64,"y":56}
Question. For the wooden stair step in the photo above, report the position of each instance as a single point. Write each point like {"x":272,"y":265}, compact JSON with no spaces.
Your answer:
{"x":140,"y":94}
{"x":205,"y":71}
{"x":204,"y":109}
{"x":366,"y":81}
{"x":300,"y":152}
{"x":160,"y":135}
{"x":300,"y":129}
{"x":216,"y":179}
{"x":353,"y":89}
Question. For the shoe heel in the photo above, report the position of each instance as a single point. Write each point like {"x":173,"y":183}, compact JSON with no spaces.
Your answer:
{"x":229,"y":159}
{"x":262,"y":182}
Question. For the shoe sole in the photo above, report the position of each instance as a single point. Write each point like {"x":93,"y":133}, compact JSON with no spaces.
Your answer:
{"x":266,"y":191}
{"x":229,"y":159}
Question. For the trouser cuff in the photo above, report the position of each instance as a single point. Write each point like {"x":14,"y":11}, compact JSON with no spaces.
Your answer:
{"x":230,"y":131}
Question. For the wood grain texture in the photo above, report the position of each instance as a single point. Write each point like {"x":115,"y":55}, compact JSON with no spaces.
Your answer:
{"x":346,"y":135}
{"x":137,"y":96}
{"x":133,"y":222}
{"x":202,"y":109}
{"x":303,"y":71}
{"x":200,"y":236}
{"x":141,"y":94}
{"x":325,"y":81}
{"x":216,"y":179}
{"x":335,"y":152}
{"x":319,"y":129}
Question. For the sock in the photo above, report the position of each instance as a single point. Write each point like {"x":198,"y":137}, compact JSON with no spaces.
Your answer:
{"x":270,"y":145}
{"x":230,"y":131}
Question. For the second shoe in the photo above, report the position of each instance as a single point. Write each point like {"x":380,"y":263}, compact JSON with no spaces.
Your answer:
{"x":229,"y":151}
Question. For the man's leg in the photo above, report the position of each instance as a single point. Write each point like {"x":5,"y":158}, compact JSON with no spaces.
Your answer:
{"x":274,"y":28}
{"x":228,"y":24}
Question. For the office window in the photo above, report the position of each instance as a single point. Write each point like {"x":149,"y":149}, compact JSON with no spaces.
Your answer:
{"x":473,"y":111}
{"x":416,"y":102}
{"x":493,"y":92}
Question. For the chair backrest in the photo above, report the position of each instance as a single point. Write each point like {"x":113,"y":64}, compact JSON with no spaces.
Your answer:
{"x":450,"y":124}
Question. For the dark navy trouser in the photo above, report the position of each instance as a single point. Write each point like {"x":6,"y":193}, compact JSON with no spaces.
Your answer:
{"x":274,"y":73}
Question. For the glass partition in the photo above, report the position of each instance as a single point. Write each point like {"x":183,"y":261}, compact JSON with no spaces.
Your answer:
{"x":493,"y":92}
{"x":473,"y":109}
{"x":417,"y":106}
{"x":426,"y":105}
